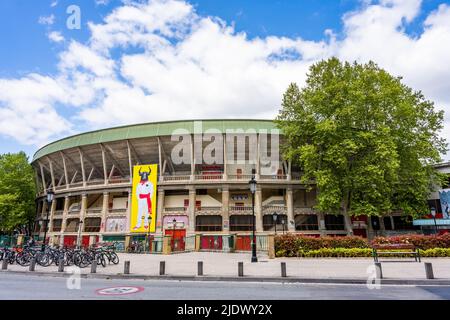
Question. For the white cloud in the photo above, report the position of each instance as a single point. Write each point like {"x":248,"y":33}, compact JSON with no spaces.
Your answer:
{"x":47,"y":20}
{"x":56,"y":36}
{"x":102,"y":2}
{"x":160,"y":60}
{"x":54,"y":3}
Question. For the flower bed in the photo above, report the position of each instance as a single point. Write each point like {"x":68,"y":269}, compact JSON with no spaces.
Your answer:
{"x":303,"y":246}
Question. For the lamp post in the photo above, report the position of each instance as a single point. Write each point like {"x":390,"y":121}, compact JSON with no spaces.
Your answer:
{"x":275,"y":220}
{"x":252,"y":185}
{"x":282,"y":223}
{"x":433,"y":213}
{"x":50,"y":196}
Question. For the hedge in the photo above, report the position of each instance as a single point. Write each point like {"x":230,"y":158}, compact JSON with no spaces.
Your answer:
{"x":420,"y":241}
{"x":291,"y":244}
{"x":359,"y":253}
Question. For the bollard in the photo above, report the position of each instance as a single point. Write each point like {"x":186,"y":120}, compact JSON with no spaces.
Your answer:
{"x":5,"y":264}
{"x":429,"y":270}
{"x":33,"y":264}
{"x":61,"y":265}
{"x":126,"y":267}
{"x":94,"y":266}
{"x":378,"y":270}
{"x":162,"y":268}
{"x":200,"y":268}
{"x":283,"y":269}
{"x":240,"y":269}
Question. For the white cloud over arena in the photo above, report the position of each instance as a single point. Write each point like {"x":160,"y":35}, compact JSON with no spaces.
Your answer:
{"x":160,"y":60}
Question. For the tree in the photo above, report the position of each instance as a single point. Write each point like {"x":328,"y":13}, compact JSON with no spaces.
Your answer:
{"x":367,"y":140}
{"x":17,"y":193}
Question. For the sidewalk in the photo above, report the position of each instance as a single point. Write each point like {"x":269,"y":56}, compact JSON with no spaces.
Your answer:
{"x":225,"y":265}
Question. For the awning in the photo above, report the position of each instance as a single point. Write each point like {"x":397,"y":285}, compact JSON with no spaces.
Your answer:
{"x":430,"y":222}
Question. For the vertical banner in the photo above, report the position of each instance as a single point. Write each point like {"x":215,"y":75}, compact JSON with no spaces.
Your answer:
{"x":143,"y":198}
{"x":444,"y":197}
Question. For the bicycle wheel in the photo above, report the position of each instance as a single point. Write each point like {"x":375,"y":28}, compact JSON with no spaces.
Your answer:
{"x":101,"y":260}
{"x":114,"y":257}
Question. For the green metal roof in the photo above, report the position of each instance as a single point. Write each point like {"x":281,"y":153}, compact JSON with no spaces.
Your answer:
{"x":149,"y":130}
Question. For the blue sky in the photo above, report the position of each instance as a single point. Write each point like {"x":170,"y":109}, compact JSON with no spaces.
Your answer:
{"x":26,"y":49}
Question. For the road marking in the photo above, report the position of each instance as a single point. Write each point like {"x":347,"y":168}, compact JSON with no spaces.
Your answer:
{"x":118,"y":291}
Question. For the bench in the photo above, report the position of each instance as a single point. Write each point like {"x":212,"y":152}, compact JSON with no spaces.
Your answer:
{"x":396,"y":249}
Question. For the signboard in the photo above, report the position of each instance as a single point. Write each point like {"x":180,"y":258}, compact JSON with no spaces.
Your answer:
{"x":143,"y":199}
{"x":444,"y":197}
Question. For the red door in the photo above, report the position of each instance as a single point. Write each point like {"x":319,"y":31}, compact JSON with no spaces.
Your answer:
{"x":243,"y":243}
{"x":178,"y":236}
{"x":70,"y":241}
{"x":360,"y":232}
{"x":85,"y":241}
{"x":211,"y":242}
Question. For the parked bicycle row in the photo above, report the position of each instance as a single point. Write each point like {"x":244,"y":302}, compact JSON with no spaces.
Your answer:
{"x":81,"y":257}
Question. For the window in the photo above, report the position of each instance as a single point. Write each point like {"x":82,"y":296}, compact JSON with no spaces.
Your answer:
{"x":72,"y":225}
{"x":241,"y":223}
{"x":92,"y":224}
{"x":269,"y":224}
{"x":387,"y":223}
{"x":208,"y":223}
{"x":333,"y":222}
{"x":403,"y":223}
{"x":57,"y":223}
{"x":306,"y":222}
{"x":59,"y":204}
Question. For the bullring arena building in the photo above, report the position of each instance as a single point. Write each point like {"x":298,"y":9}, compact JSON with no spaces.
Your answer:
{"x":204,"y":168}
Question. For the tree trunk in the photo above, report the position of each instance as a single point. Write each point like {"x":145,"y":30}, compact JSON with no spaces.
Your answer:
{"x":347,"y":220}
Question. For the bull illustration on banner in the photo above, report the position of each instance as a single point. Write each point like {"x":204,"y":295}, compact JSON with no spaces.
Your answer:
{"x":143,"y":202}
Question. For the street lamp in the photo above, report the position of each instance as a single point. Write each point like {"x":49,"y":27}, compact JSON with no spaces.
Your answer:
{"x":433,"y":213}
{"x":282,"y":223}
{"x":252,"y":185}
{"x":275,"y":220}
{"x":50,"y":196}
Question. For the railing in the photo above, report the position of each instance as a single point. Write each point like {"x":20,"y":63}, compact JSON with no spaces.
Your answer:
{"x":92,"y":229}
{"x":58,"y":213}
{"x":273,"y":177}
{"x":75,"y":211}
{"x":95,"y":211}
{"x":61,"y":187}
{"x":118,"y":180}
{"x":121,"y":210}
{"x":176,"y":178}
{"x":238,"y":209}
{"x":208,"y":210}
{"x":209,"y":177}
{"x":175,"y":209}
{"x":239,"y":177}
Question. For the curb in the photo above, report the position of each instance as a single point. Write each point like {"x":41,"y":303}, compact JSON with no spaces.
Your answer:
{"x":393,"y":281}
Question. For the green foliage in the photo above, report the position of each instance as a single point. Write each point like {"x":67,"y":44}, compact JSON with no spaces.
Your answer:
{"x":17,"y":192}
{"x":361,"y":253}
{"x":367,"y":140}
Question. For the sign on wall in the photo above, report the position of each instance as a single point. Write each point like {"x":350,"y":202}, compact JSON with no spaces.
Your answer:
{"x":143,"y":199}
{"x":444,"y":197}
{"x":115,"y":225}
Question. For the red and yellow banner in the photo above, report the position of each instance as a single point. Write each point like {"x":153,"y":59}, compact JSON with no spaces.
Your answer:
{"x":143,"y":198}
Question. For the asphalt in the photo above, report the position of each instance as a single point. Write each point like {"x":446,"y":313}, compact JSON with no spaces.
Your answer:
{"x":14,"y":286}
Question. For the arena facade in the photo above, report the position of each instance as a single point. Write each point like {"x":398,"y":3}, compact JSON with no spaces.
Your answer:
{"x":204,"y":168}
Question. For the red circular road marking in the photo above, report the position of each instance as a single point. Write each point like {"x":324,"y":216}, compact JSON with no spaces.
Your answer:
{"x":118,"y":291}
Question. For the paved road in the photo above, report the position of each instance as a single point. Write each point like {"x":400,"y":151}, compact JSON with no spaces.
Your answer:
{"x":13,"y":286}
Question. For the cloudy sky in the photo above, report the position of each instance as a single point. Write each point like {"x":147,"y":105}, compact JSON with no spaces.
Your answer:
{"x":150,"y":60}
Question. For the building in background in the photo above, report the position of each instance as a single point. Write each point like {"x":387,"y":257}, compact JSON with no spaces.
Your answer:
{"x":202,"y":184}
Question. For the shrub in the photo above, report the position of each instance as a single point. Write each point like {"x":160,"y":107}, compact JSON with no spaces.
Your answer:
{"x":420,"y":241}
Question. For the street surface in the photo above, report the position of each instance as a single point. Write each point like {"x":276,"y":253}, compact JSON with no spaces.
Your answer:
{"x":16,"y":286}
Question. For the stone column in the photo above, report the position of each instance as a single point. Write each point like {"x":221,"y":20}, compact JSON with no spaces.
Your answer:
{"x":82,"y":218}
{"x":51,"y":216}
{"x":258,"y":210}
{"x":225,"y":210}
{"x":64,"y":219}
{"x":191,"y":213}
{"x":105,"y":208}
{"x":290,"y":209}
{"x":160,"y":211}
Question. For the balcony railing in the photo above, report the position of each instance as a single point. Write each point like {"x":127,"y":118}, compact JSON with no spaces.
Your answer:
{"x":176,"y":178}
{"x":58,"y":213}
{"x":274,"y":208}
{"x":94,"y":211}
{"x":239,"y":177}
{"x":209,"y":177}
{"x":113,"y":211}
{"x":175,"y":209}
{"x":239,"y":209}
{"x":273,"y":177}
{"x":208,"y":210}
